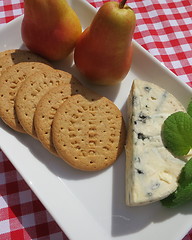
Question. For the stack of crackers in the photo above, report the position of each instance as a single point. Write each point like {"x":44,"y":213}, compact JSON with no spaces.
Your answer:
{"x":83,"y":128}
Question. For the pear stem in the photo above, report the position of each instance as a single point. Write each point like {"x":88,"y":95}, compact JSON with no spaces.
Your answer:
{"x":122,"y":3}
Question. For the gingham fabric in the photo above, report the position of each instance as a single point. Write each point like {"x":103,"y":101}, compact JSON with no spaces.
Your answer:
{"x":164,"y":28}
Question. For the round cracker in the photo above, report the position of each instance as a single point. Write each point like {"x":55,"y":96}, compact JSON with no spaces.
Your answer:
{"x":88,"y":132}
{"x":13,"y":57}
{"x":10,"y":82}
{"x":31,"y":91}
{"x":46,"y":109}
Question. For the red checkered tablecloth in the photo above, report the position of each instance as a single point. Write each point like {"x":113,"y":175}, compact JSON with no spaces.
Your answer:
{"x":164,"y":28}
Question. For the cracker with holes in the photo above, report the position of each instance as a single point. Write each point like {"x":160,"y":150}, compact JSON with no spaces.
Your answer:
{"x":10,"y":81}
{"x":31,"y":91}
{"x":6,"y":52}
{"x":88,"y":132}
{"x":47,"y":107}
{"x":14,"y":56}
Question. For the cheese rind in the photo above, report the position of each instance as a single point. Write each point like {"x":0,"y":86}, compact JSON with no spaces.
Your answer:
{"x":151,"y":170}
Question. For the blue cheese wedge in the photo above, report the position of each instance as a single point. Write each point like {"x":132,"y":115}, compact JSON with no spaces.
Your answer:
{"x":151,"y":170}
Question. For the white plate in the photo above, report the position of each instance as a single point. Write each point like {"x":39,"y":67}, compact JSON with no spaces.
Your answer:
{"x":91,"y":205}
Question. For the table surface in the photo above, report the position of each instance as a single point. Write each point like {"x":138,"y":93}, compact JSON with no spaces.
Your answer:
{"x":164,"y":28}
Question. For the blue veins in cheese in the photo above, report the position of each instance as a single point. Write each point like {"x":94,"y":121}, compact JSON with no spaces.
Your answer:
{"x":151,"y":170}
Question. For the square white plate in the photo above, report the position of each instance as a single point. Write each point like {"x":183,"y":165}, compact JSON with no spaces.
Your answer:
{"x":91,"y":205}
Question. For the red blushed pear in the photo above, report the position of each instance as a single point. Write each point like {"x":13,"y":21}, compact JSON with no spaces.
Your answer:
{"x":50,"y":28}
{"x":103,"y":52}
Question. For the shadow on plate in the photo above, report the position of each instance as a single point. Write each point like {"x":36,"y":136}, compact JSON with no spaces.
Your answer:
{"x":55,"y":164}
